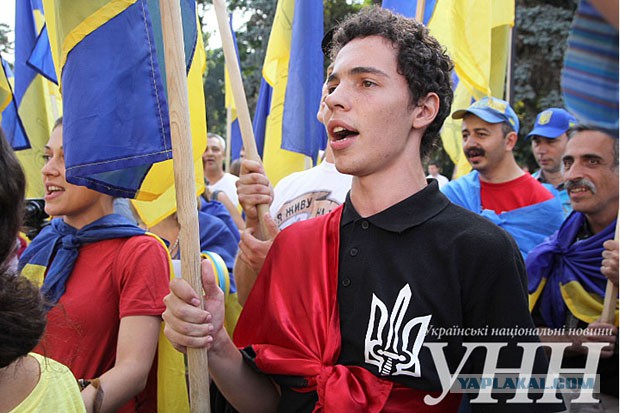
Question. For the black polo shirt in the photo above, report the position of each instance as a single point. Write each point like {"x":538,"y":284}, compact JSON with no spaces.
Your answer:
{"x":462,"y":271}
{"x":421,"y":265}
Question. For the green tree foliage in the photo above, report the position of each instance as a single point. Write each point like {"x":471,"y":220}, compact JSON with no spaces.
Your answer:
{"x":6,"y":47}
{"x":541,"y":32}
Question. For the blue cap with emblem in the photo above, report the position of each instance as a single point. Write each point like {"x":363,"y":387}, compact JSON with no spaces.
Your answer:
{"x":491,"y":110}
{"x":552,"y":123}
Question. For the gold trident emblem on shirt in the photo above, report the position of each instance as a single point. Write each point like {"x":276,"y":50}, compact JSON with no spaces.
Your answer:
{"x":390,"y":346}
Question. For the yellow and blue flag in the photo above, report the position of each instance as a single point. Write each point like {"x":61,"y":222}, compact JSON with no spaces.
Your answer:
{"x":154,"y":211}
{"x":109,"y":57}
{"x":476,"y":34}
{"x":41,"y":58}
{"x":289,"y":98}
{"x":409,"y":8}
{"x":6,"y":91}
{"x":9,"y":117}
{"x":35,"y":96}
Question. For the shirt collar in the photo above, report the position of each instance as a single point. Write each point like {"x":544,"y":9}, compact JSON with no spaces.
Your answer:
{"x":410,"y":212}
{"x":540,"y":177}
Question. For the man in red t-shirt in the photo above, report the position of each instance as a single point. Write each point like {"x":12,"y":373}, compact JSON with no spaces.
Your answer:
{"x":498,"y":188}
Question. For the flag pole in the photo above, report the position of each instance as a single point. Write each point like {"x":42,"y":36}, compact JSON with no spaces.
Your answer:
{"x":228,"y":137}
{"x":185,"y":185}
{"x":611,"y":296}
{"x":243,"y":113}
{"x":419,"y":10}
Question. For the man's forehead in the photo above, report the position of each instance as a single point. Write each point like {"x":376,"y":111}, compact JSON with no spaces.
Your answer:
{"x":590,"y":142}
{"x":384,"y":54}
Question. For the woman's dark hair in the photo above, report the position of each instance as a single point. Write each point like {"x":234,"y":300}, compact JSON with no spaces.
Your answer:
{"x":22,"y":317}
{"x":421,"y":59}
{"x":12,"y":192}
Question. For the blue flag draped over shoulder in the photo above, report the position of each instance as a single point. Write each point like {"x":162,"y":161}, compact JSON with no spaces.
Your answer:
{"x":528,"y":226}
{"x":109,"y":54}
{"x":565,"y":273}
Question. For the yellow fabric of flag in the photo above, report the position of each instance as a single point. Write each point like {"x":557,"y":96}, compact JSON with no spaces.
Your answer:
{"x":279,"y":162}
{"x":38,"y":116}
{"x":476,"y":35}
{"x":6,"y":94}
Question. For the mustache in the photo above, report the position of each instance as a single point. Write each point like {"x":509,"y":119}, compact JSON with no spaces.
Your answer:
{"x":580,"y":182}
{"x":474,"y":152}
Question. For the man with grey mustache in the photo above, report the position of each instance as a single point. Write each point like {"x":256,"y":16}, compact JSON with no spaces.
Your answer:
{"x":569,"y":272}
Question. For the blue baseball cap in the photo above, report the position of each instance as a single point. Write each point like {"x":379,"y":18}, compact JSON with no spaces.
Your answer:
{"x":491,"y":110}
{"x":552,"y":123}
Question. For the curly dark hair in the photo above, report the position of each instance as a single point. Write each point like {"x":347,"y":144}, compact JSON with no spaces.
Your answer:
{"x":12,"y":190}
{"x":22,"y":317}
{"x":421,"y":59}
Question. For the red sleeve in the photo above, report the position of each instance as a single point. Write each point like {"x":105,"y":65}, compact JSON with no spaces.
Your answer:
{"x":145,"y":275}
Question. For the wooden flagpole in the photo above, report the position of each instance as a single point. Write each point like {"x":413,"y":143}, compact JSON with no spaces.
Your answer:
{"x":185,"y":184}
{"x":419,"y":10}
{"x":228,"y":137}
{"x":611,"y":297}
{"x":243,"y":113}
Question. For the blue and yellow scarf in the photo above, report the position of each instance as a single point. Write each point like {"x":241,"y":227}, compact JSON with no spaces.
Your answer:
{"x":56,"y":248}
{"x":564,"y":273}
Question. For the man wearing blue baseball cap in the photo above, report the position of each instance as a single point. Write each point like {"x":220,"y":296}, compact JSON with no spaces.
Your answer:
{"x":548,"y":144}
{"x":497,"y":188}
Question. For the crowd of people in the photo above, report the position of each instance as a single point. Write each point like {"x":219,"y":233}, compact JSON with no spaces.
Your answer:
{"x":347,"y":280}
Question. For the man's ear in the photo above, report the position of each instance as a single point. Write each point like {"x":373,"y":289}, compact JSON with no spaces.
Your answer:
{"x":511,"y":140}
{"x":425,"y":111}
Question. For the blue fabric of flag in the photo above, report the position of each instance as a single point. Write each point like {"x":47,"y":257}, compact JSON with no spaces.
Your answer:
{"x":561,"y":260}
{"x":216,"y":237}
{"x":123,"y":113}
{"x":408,"y":8}
{"x":41,"y":59}
{"x":301,"y":131}
{"x":11,"y":121}
{"x":24,"y":44}
{"x":236,"y":142}
{"x":263,"y":107}
{"x":528,"y":226}
{"x":25,"y":32}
